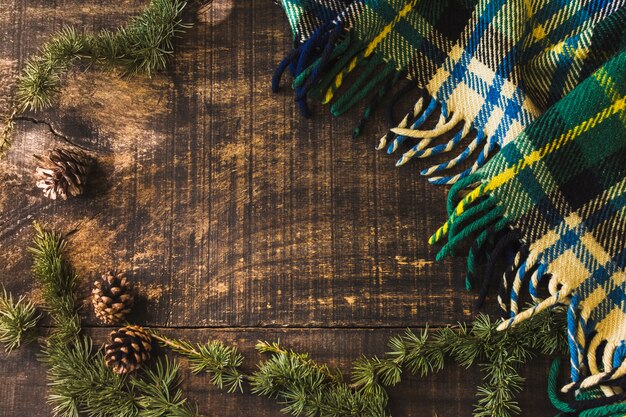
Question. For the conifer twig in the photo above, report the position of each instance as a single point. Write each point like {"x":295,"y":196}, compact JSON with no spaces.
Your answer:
{"x":499,"y":353}
{"x":57,"y":281}
{"x":142,"y":47}
{"x":306,"y":388}
{"x":157,"y":392}
{"x":221,"y":362}
{"x":18,"y":319}
{"x":79,"y":379}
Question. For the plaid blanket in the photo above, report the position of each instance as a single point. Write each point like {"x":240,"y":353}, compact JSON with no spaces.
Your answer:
{"x":491,"y":65}
{"x":544,"y":83}
{"x":560,"y":186}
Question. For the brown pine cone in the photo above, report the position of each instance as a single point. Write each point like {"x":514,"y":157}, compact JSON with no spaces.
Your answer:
{"x":112,"y":298}
{"x":130,"y":346}
{"x":63,"y":171}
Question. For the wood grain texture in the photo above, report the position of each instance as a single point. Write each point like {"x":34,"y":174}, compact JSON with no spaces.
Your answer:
{"x":234,"y":215}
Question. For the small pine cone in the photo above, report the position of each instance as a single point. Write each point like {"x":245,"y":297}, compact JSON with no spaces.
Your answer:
{"x":63,"y":171}
{"x":130,"y":346}
{"x":112,"y":298}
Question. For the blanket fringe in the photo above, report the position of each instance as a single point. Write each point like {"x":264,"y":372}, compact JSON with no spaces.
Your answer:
{"x":308,"y":60}
{"x":508,"y":238}
{"x":591,"y":353}
{"x":591,"y":402}
{"x":409,"y":128}
{"x":375,"y":101}
{"x":596,"y":360}
{"x":321,"y":65}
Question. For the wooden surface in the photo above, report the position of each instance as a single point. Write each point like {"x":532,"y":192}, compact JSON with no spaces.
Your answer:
{"x":237,"y":218}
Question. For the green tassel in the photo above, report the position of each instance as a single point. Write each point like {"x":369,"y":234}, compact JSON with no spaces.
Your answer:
{"x":479,"y":224}
{"x":339,"y":49}
{"x":356,"y":93}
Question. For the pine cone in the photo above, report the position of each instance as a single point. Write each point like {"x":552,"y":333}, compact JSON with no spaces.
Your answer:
{"x":112,"y":297}
{"x":130,"y":346}
{"x":63,"y":171}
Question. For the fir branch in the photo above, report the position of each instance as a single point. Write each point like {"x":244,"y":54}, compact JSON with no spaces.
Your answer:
{"x":158,"y":394}
{"x":306,"y":388}
{"x":497,"y":396}
{"x":57,"y":281}
{"x":80,"y":381}
{"x":40,"y":80}
{"x":500,"y":354}
{"x":221,"y":362}
{"x":18,"y":319}
{"x":79,"y":378}
{"x":142,"y":47}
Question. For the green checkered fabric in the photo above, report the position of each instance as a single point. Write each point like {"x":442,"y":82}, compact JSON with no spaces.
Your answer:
{"x":536,"y":92}
{"x":492,"y":66}
{"x":560,"y":186}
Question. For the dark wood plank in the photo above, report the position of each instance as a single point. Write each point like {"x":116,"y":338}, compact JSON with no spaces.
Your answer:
{"x":449,"y":393}
{"x":216,"y":195}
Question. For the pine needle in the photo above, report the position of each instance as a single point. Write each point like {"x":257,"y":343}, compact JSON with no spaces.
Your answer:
{"x":305,"y":388}
{"x":142,"y":47}
{"x":221,"y":362}
{"x":79,"y":379}
{"x":157,"y":392}
{"x":499,"y":355}
{"x":18,"y":319}
{"x":57,"y":281}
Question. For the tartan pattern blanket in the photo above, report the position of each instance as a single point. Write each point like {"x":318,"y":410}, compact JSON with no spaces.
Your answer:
{"x":561,"y":185}
{"x":534,"y":92}
{"x":491,"y":65}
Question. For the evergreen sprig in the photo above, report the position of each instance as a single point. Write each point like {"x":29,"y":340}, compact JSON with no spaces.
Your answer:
{"x":221,"y":362}
{"x":157,"y":392}
{"x":18,"y":319}
{"x":57,"y":281}
{"x":142,"y":47}
{"x":306,"y":388}
{"x":499,"y":353}
{"x":79,"y":380}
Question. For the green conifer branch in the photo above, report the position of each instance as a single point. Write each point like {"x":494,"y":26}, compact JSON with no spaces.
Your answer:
{"x":78,"y":377}
{"x":79,"y":380}
{"x":499,"y":353}
{"x":305,"y":388}
{"x":142,"y":47}
{"x":221,"y":362}
{"x":18,"y":319}
{"x":57,"y":281}
{"x":157,"y":392}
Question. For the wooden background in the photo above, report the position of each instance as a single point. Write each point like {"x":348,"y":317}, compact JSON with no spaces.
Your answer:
{"x":237,"y":218}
